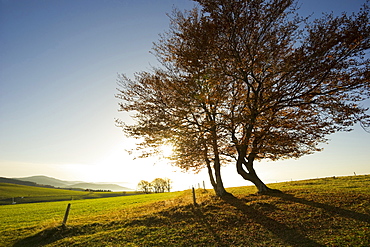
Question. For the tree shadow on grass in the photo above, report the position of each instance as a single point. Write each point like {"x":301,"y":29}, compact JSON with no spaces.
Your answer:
{"x":288,"y":235}
{"x":202,"y":219}
{"x":331,"y":209}
{"x":189,"y":213}
{"x":45,"y":237}
{"x":54,"y":234}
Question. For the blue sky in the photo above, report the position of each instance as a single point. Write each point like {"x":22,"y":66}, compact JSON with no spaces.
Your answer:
{"x":59,"y":61}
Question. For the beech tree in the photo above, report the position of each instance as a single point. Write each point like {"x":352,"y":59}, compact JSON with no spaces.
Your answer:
{"x":144,"y":186}
{"x":247,"y":80}
{"x":160,"y":185}
{"x":167,"y":185}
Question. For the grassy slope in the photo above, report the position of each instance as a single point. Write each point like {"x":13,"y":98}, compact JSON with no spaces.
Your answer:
{"x":21,"y":220}
{"x":320,"y":212}
{"x":27,"y":194}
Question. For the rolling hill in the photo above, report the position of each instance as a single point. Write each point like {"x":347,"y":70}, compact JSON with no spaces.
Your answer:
{"x":45,"y":180}
{"x":16,"y":181}
{"x":11,"y":193}
{"x":49,"y":181}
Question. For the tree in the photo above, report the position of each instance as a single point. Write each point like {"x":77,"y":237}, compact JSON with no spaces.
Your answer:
{"x":288,"y":87}
{"x":168,"y":111}
{"x":167,"y":184}
{"x":144,"y":186}
{"x":249,"y":80}
{"x":159,"y":185}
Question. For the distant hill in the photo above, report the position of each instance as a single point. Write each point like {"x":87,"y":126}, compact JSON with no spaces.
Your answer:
{"x":48,"y":181}
{"x":95,"y":186}
{"x":45,"y":180}
{"x":16,"y":181}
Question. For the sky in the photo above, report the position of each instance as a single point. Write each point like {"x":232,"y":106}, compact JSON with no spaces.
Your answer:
{"x":59,"y":61}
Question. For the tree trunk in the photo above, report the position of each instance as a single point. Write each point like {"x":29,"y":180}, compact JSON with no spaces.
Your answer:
{"x":220,"y":190}
{"x":216,"y":179}
{"x":217,"y":183}
{"x":210,"y":173}
{"x":251,"y":175}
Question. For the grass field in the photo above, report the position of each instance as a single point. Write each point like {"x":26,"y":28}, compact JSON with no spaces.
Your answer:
{"x":29,"y":194}
{"x":319,"y":212}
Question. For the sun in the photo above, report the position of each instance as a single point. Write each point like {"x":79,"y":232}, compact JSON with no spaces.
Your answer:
{"x":118,"y":166}
{"x":166,"y":150}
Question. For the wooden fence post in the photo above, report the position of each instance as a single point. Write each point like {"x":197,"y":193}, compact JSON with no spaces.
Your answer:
{"x":66,"y":214}
{"x":194,"y":199}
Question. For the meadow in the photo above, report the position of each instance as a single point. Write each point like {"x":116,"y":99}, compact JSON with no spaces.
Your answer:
{"x":10,"y":193}
{"x":318,"y":212}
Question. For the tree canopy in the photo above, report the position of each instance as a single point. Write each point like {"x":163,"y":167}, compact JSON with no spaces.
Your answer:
{"x":246,"y":80}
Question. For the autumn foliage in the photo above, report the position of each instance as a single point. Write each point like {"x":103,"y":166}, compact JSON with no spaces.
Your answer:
{"x":246,"y":80}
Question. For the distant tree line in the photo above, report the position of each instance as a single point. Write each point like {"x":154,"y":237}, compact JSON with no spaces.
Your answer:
{"x":91,"y":190}
{"x":158,"y":185}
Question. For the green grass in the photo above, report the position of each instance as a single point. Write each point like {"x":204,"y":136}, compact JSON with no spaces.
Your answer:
{"x":318,"y":212}
{"x":24,"y":219}
{"x":28,"y":194}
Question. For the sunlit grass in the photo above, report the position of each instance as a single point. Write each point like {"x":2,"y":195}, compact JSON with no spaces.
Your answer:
{"x":10,"y":193}
{"x":38,"y":216}
{"x":23,"y":193}
{"x":318,"y":212}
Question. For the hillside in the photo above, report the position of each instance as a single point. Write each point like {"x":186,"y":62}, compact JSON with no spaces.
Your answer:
{"x":16,"y":181}
{"x":319,"y":212}
{"x":49,"y":181}
{"x":94,"y":186}
{"x":15,"y":193}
